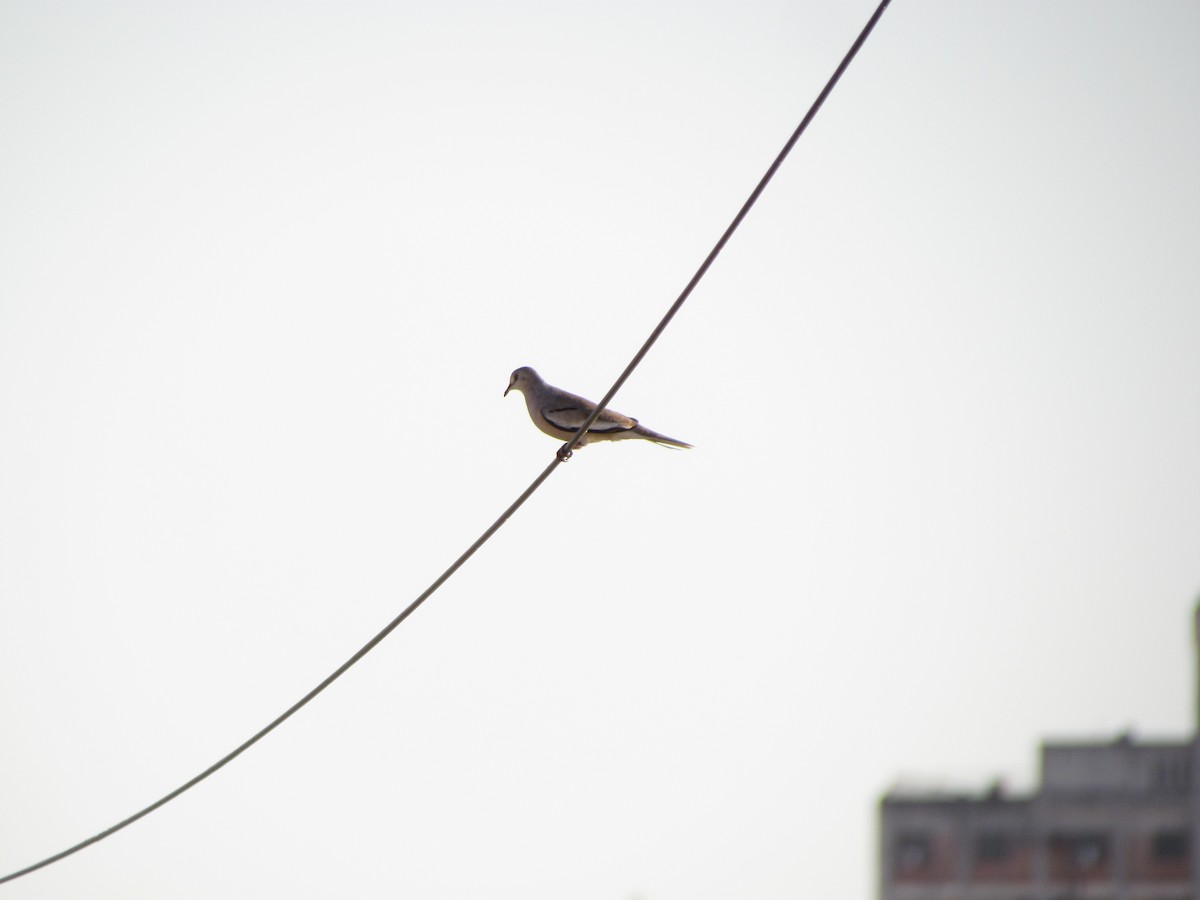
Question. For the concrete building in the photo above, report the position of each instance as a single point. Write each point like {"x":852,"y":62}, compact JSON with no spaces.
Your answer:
{"x":1118,"y":820}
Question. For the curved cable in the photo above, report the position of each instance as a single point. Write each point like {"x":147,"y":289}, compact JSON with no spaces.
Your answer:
{"x":303,"y":701}
{"x":563,"y":454}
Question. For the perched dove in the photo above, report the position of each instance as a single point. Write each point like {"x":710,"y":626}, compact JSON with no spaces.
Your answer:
{"x":560,"y":414}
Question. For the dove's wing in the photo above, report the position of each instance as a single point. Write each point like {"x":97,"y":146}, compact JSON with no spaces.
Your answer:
{"x":568,"y":412}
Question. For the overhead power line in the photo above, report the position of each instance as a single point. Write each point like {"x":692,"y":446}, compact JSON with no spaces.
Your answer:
{"x":562,"y":456}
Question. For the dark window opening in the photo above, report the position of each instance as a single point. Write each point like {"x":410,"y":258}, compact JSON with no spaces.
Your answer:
{"x":912,"y":853}
{"x":1081,"y":852}
{"x":993,"y":847}
{"x":1170,"y":845}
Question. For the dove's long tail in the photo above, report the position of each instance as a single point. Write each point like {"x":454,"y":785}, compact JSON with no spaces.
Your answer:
{"x":661,"y":439}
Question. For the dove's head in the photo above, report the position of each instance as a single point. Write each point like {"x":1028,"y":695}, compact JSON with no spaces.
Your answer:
{"x":521,"y":379}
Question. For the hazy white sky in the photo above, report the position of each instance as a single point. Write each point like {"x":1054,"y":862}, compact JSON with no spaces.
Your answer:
{"x":265,"y":269}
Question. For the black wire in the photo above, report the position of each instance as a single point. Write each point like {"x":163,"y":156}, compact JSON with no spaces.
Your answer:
{"x":295,"y":707}
{"x":565,"y":452}
{"x":561,"y":457}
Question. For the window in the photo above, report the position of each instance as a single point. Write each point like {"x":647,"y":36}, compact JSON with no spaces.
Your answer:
{"x":1088,"y":852}
{"x":1081,"y":853}
{"x":912,"y":853}
{"x":1170,"y":845}
{"x":1172,"y":773}
{"x":993,"y":847}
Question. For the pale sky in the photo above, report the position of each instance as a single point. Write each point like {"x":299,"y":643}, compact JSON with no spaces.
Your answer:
{"x":265,"y":269}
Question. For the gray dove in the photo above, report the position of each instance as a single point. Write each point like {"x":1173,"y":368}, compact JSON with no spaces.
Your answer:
{"x":559,"y":414}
